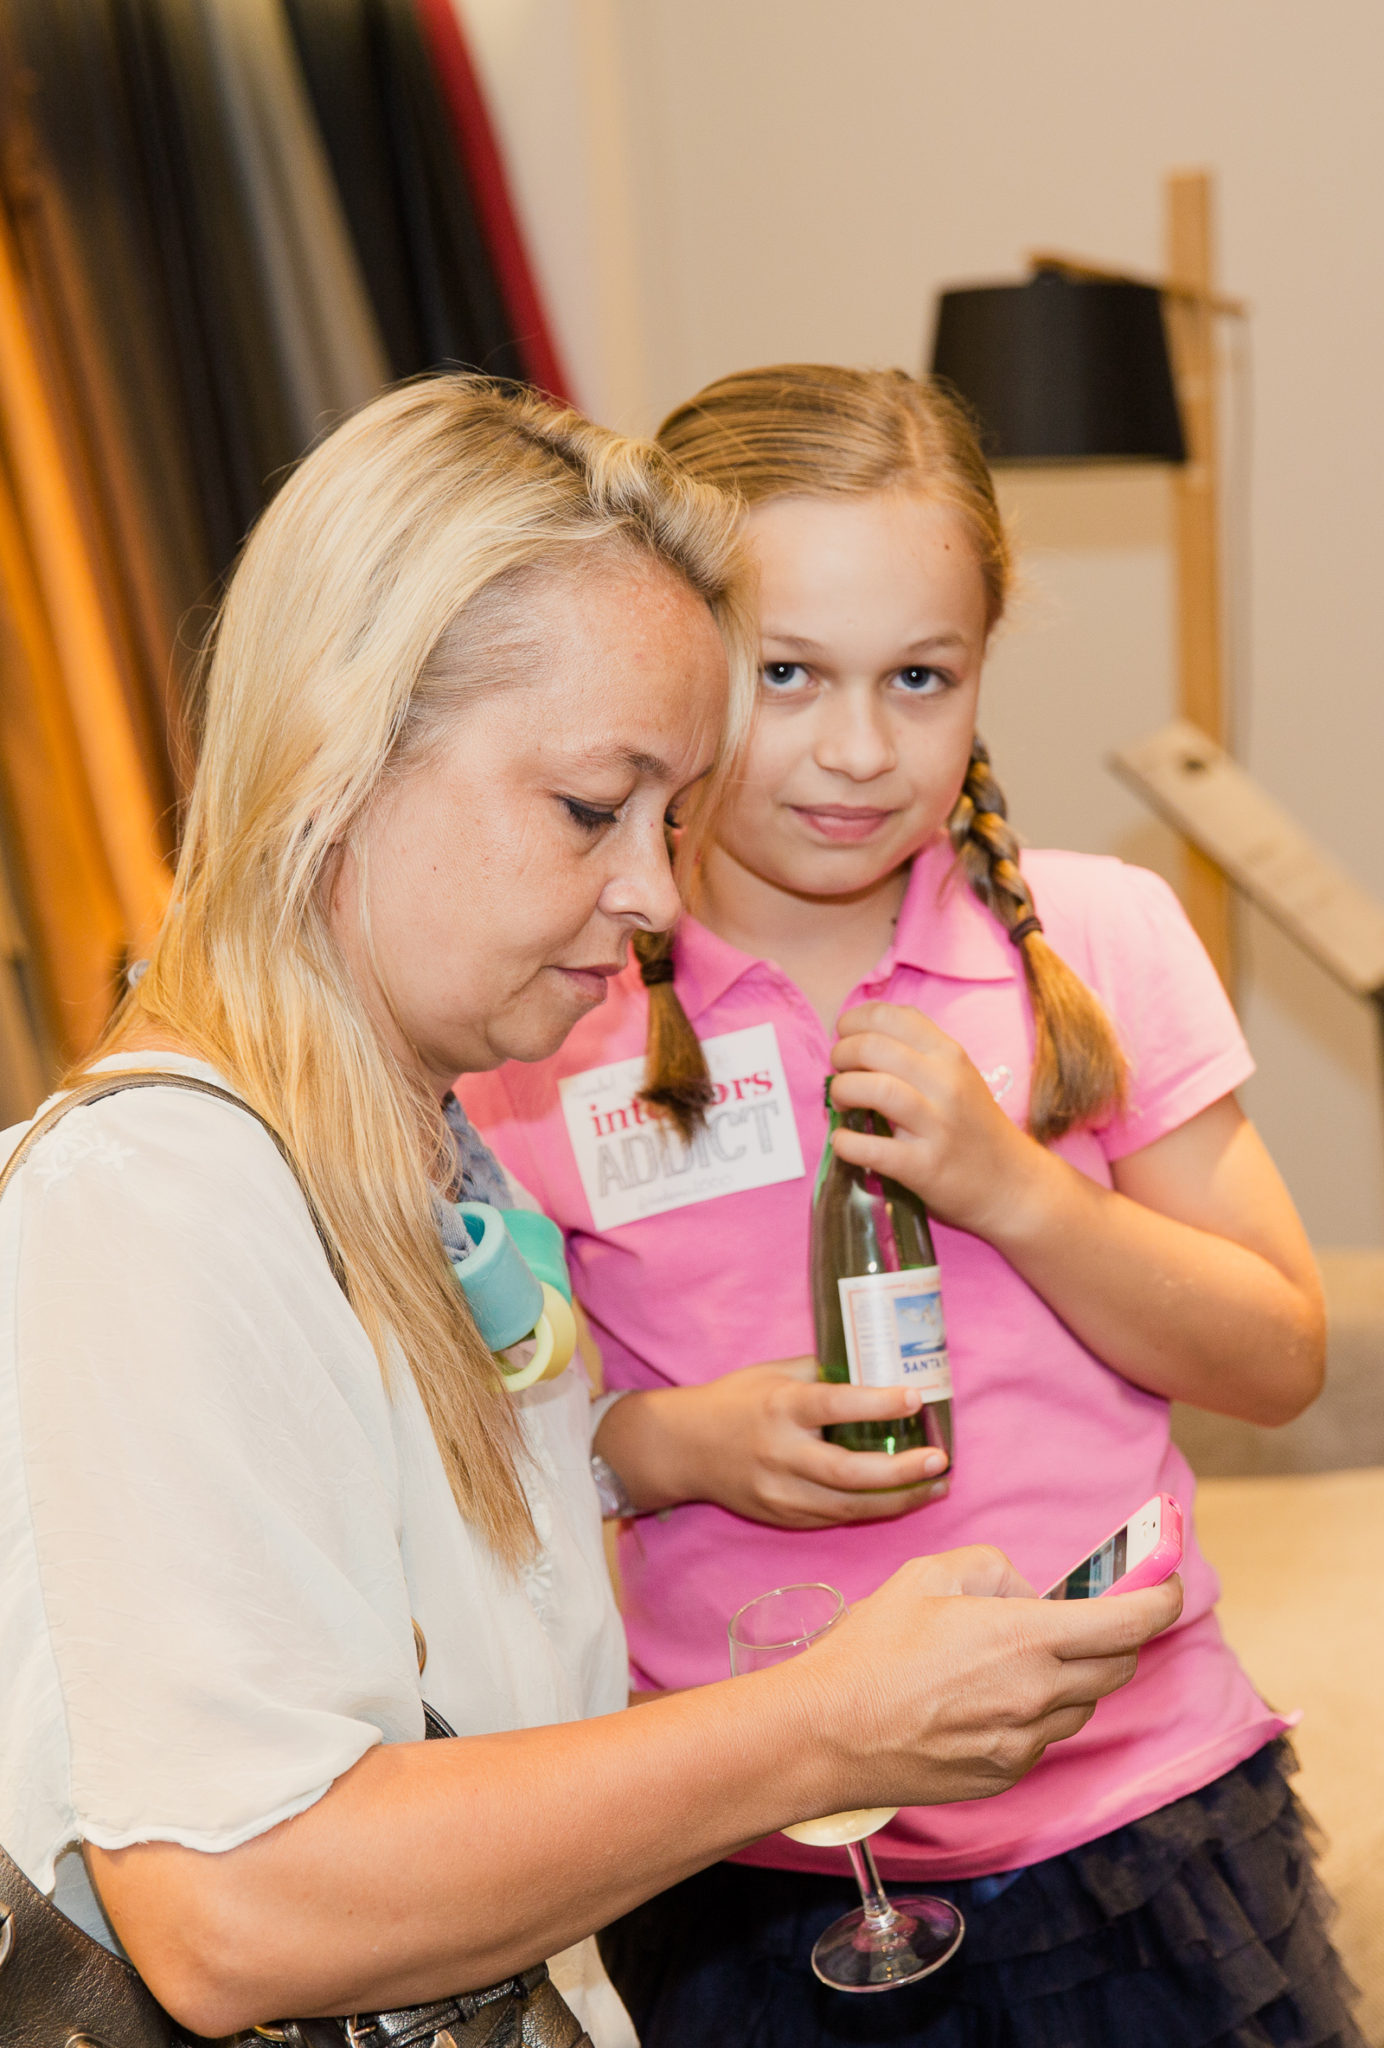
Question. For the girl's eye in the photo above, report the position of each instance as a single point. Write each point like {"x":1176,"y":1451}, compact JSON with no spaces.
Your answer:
{"x":590,"y":817}
{"x":782,"y":677}
{"x":921,"y":682}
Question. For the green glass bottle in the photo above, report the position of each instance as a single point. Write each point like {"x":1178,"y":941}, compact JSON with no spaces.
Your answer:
{"x":876,"y":1298}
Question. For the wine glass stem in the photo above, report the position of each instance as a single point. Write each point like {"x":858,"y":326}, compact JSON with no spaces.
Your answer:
{"x":878,"y":1911}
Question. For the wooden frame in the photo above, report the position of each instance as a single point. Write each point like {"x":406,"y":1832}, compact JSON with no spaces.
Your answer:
{"x":1191,"y":306}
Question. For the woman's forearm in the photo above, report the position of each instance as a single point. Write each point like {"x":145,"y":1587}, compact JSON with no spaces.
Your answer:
{"x":366,"y":1902}
{"x":1178,"y":1310}
{"x":437,"y":1867}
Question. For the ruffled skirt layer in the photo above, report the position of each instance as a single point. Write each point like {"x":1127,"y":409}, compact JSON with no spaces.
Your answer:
{"x":1204,"y":1925}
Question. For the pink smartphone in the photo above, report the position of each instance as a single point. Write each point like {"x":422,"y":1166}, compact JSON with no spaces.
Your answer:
{"x":1147,"y":1550}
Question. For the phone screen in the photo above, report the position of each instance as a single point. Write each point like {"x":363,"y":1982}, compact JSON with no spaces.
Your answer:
{"x":1118,"y":1554}
{"x":1097,"y":1573}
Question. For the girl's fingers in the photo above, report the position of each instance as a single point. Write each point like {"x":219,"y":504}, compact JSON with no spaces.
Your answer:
{"x":893,"y":1020}
{"x":846,"y":1471}
{"x":824,"y":1402}
{"x":902,"y":1101}
{"x":880,"y":1053}
{"x":887,"y":1156}
{"x":806,"y":1505}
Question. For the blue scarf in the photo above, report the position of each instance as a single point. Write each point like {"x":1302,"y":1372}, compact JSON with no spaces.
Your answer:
{"x":479,"y":1177}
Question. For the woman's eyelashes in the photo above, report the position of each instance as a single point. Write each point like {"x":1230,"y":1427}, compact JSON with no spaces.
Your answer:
{"x":595,"y":818}
{"x":591,"y":817}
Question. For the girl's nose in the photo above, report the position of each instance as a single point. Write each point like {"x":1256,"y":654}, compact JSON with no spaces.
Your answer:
{"x":853,"y":736}
{"x":642,"y":891}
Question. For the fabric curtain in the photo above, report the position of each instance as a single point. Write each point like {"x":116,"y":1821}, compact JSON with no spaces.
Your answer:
{"x":485,"y":170}
{"x":66,"y":576}
{"x":388,"y":133}
{"x":64,"y":893}
{"x":329,"y":352}
{"x":24,"y":1053}
{"x":224,"y":224}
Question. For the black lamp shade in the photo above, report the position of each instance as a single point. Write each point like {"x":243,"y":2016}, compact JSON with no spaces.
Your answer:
{"x":1062,"y":369}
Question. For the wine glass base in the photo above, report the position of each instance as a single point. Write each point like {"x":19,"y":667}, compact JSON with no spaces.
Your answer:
{"x":857,"y":1954}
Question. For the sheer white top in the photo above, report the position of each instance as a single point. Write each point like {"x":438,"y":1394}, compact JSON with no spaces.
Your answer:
{"x":217,"y":1525}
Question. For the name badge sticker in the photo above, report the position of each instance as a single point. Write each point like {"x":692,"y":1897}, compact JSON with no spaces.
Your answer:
{"x":633,"y":1164}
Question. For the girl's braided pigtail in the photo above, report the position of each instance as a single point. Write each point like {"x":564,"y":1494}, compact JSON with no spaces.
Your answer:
{"x":676,"y":1081}
{"x":1079,"y":1068}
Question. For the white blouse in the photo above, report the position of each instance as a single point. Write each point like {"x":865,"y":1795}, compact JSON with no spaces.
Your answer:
{"x":217,"y":1525}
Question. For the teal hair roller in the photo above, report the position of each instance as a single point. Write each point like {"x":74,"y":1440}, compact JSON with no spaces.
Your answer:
{"x":540,"y":1241}
{"x":505,"y":1295}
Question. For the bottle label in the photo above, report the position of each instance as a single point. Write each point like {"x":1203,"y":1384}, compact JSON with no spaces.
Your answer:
{"x":895,"y":1336}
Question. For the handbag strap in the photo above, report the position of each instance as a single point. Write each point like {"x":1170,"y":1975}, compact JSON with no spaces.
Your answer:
{"x":59,"y":1987}
{"x":57,"y":1984}
{"x":99,"y":1086}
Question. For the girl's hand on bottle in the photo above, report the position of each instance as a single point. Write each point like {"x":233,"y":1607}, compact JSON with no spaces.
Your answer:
{"x":750,"y":1442}
{"x":952,"y":1143}
{"x":934,"y":1689}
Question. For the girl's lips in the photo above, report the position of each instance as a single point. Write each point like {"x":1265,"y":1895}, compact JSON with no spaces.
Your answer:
{"x":843,"y":824}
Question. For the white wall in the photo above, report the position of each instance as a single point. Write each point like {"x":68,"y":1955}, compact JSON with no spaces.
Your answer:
{"x":712,"y":183}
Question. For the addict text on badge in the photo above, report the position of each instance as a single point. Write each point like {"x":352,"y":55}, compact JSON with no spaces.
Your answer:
{"x":633,"y":1164}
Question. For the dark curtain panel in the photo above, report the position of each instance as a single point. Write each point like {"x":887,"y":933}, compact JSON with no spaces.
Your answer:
{"x":485,"y":174}
{"x":387,"y":130}
{"x":242,"y":431}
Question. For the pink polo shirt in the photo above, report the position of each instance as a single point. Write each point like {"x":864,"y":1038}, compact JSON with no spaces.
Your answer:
{"x":691,"y":1265}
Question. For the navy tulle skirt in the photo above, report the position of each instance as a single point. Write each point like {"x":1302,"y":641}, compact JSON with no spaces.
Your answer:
{"x":1203,"y":1926}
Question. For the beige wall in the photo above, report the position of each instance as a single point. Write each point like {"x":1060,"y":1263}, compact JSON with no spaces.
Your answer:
{"x":711,"y":183}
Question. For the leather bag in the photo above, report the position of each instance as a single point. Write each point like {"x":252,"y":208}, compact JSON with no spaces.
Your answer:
{"x":61,"y":1989}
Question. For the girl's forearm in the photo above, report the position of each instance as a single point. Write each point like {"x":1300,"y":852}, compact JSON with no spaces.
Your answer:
{"x":1180,"y":1311}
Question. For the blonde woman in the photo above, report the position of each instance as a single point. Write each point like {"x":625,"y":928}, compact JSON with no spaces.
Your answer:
{"x":256,"y":1465}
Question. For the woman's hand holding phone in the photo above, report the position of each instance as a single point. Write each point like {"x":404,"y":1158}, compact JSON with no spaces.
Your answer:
{"x":972,"y":1676}
{"x":750,"y":1441}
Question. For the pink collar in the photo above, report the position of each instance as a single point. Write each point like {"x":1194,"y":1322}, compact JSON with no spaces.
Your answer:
{"x":942,"y":929}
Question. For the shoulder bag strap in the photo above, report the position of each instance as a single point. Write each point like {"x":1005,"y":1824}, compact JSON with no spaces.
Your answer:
{"x":57,"y":1984}
{"x":99,"y":1086}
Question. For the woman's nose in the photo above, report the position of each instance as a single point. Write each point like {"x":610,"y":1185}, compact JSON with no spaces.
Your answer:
{"x":853,"y":736}
{"x":642,"y":891}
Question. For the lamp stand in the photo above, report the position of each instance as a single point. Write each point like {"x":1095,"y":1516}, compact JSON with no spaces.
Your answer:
{"x":1189,"y":310}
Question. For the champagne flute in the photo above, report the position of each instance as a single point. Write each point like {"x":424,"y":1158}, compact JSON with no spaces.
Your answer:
{"x":880,"y":1943}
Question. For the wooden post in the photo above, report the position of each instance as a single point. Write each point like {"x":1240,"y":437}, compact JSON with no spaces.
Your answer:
{"x":1201,"y":693}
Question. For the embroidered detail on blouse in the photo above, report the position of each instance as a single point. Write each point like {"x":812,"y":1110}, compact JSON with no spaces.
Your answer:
{"x":73,"y":1145}
{"x":999,"y":1081}
{"x":539,"y":1484}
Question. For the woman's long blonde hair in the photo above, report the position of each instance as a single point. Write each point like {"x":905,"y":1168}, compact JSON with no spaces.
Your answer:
{"x":341,"y":646}
{"x":809,"y":429}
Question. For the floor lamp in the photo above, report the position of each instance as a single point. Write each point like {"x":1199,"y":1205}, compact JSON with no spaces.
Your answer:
{"x":1083,"y":363}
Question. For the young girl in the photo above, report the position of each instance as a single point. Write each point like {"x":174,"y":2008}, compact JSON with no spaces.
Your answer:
{"x":1057,"y":1060}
